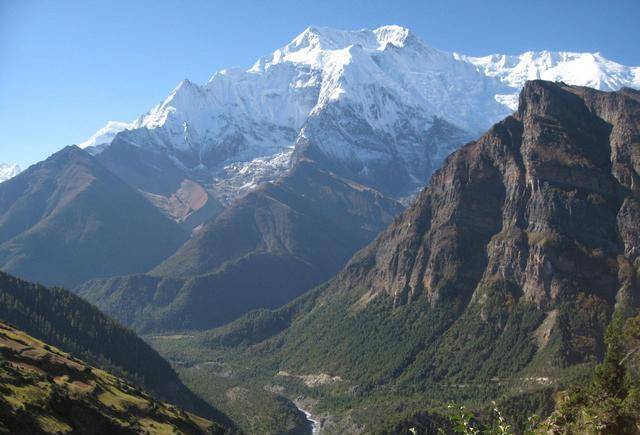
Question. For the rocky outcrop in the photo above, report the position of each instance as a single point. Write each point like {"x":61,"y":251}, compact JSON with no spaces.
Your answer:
{"x":539,"y":216}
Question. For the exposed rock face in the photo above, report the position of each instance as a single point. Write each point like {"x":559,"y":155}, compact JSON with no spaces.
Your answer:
{"x":546,"y":200}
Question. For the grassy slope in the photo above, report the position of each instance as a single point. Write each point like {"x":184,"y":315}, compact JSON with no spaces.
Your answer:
{"x":66,"y":321}
{"x":45,"y":390}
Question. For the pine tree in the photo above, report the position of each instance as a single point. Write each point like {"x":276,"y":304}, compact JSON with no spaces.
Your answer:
{"x":610,"y":376}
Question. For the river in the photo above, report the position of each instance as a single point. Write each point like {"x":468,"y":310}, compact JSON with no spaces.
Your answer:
{"x":313,"y":424}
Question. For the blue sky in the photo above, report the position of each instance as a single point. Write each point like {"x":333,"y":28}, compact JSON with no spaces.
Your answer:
{"x":67,"y":67}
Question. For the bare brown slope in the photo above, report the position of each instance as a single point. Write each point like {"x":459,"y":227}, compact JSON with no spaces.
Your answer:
{"x":171,"y":189}
{"x":68,"y":219}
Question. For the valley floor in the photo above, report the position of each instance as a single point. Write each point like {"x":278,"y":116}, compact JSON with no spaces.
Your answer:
{"x":249,"y":386}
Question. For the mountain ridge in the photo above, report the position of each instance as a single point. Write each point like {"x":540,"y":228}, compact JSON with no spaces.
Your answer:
{"x":68,"y":219}
{"x":266,"y":248}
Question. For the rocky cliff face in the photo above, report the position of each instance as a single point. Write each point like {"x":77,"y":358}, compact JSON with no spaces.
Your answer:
{"x":540,"y":215}
{"x":546,"y":200}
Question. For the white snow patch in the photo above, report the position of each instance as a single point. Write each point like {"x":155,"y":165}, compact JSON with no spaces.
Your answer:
{"x":8,"y":171}
{"x":106,"y":134}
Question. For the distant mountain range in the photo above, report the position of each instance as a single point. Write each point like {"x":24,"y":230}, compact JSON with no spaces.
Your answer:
{"x":516,"y":253}
{"x":581,"y":69}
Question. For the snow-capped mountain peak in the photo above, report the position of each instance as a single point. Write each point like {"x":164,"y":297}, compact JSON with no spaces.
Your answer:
{"x":359,"y":97}
{"x":317,"y":67}
{"x":106,"y":134}
{"x":8,"y":171}
{"x":395,"y":35}
{"x":582,"y":69}
{"x":316,"y":45}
